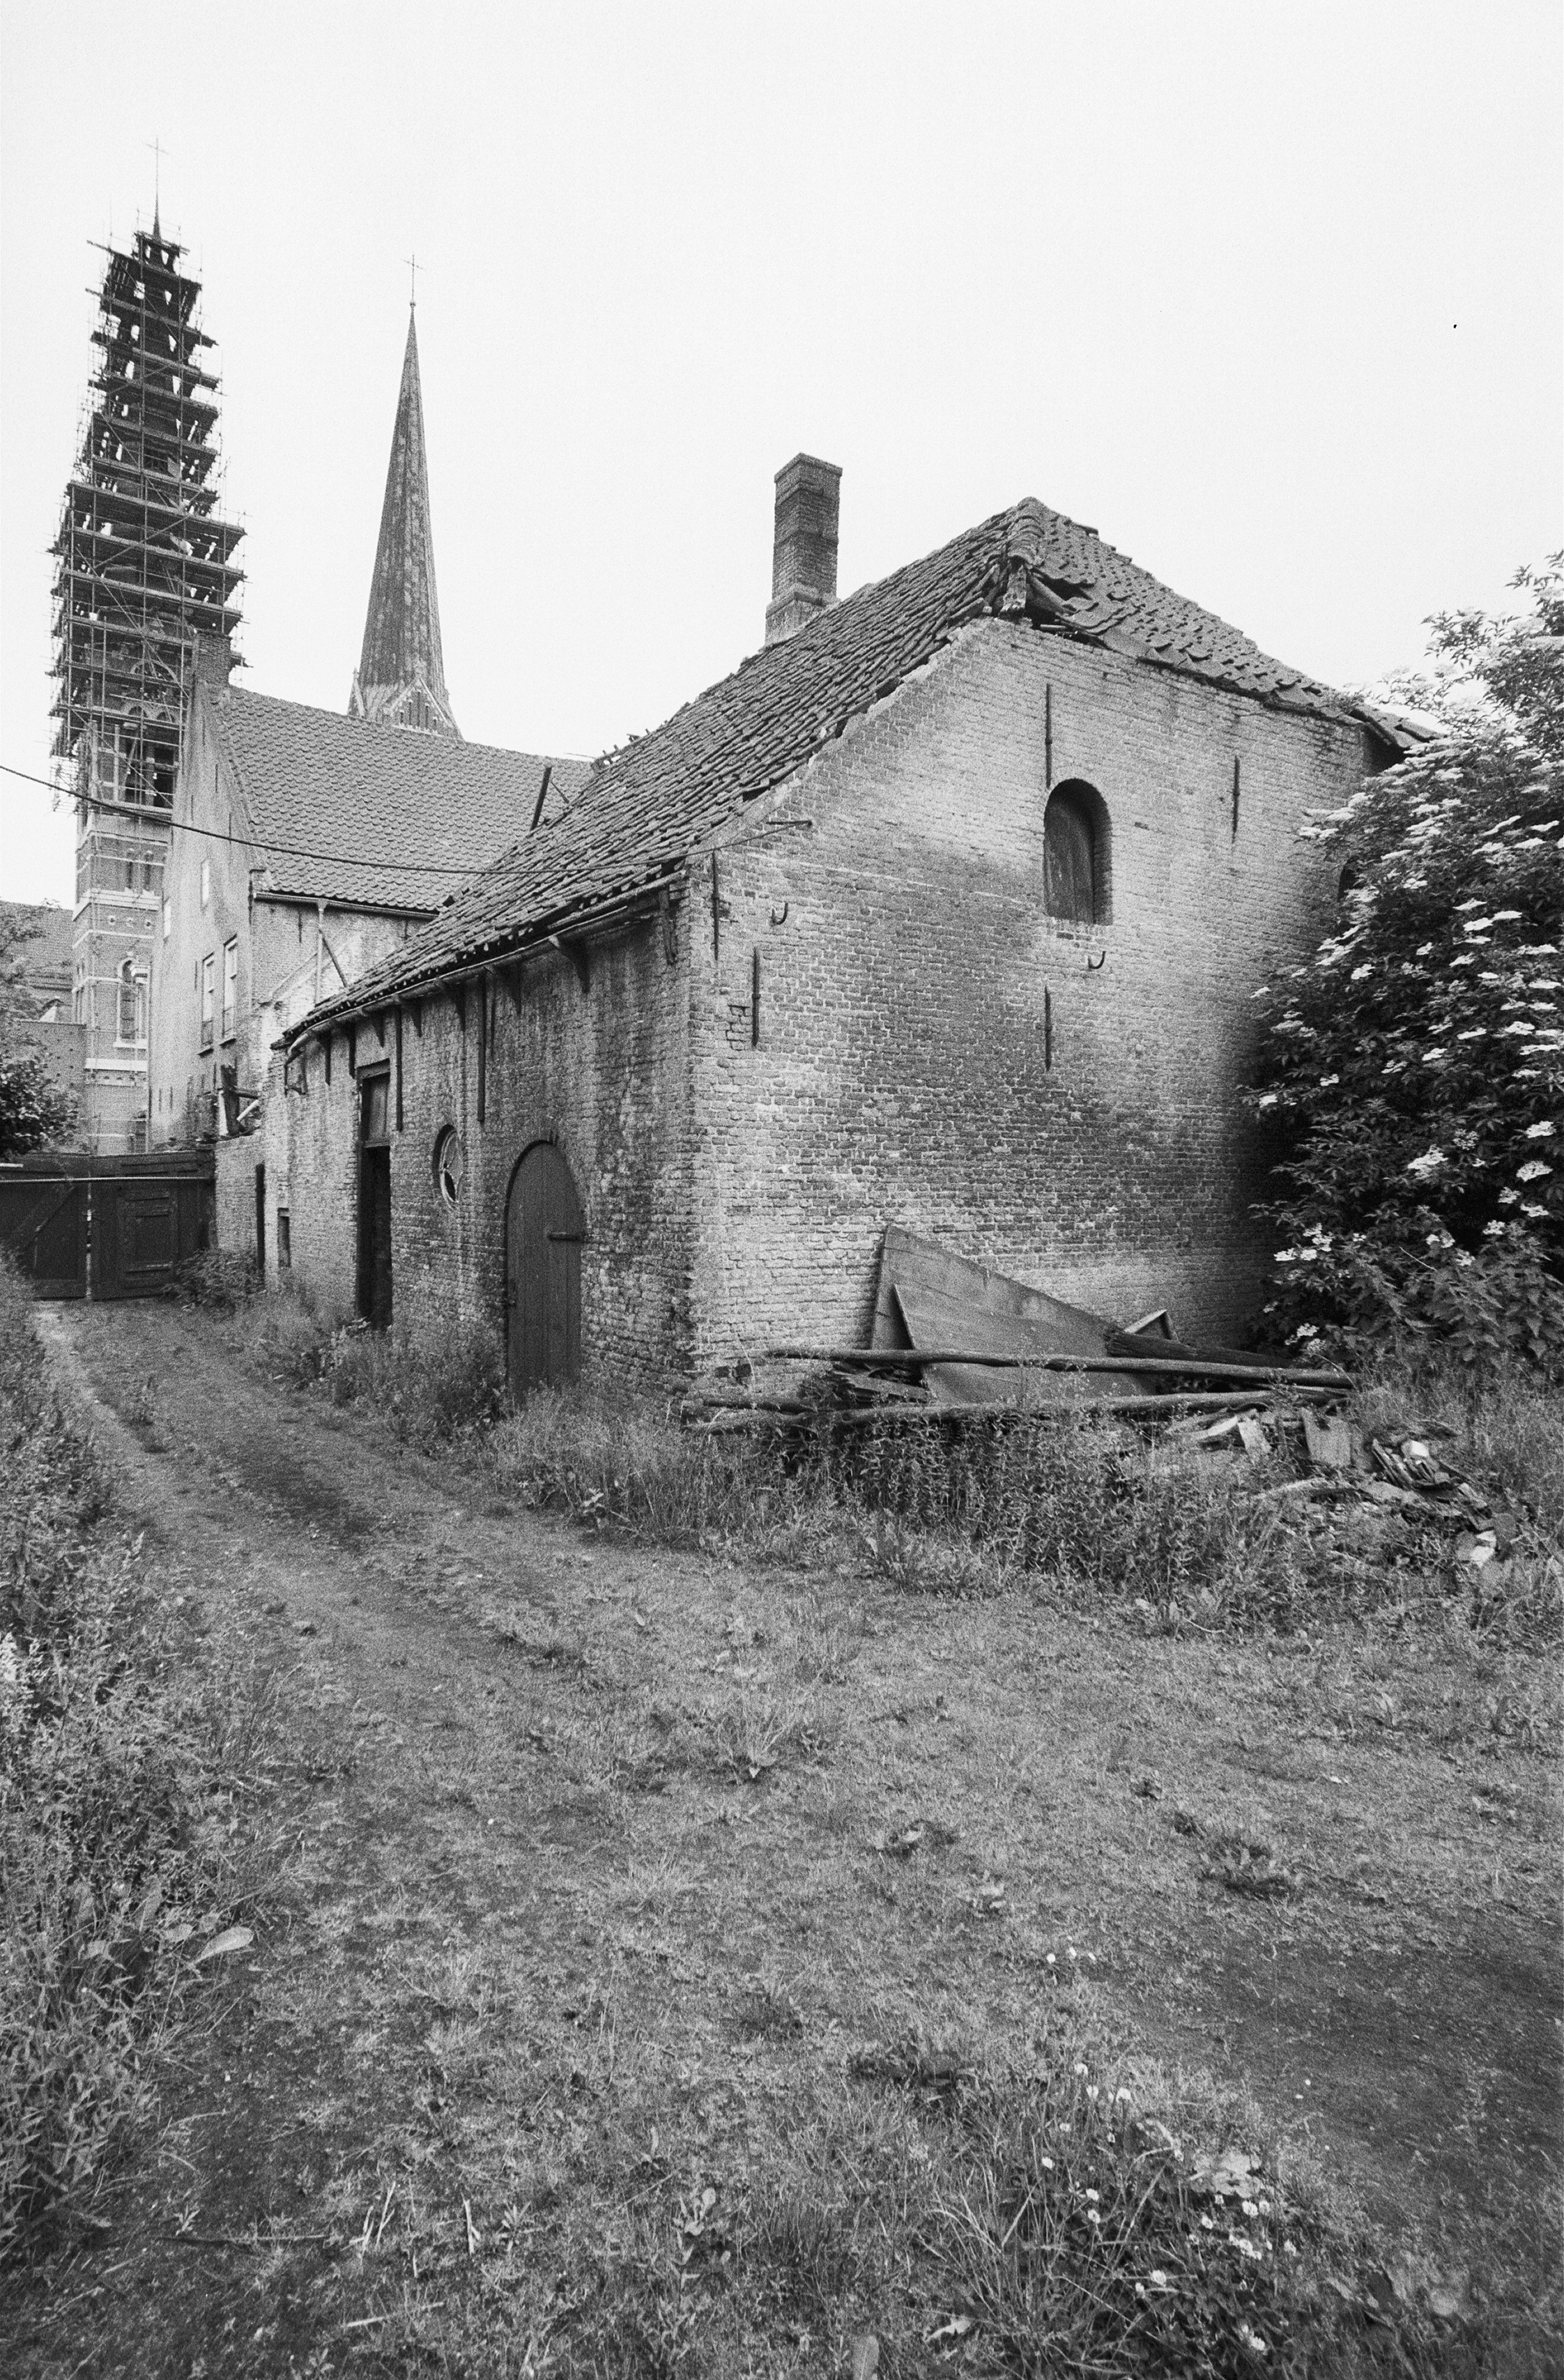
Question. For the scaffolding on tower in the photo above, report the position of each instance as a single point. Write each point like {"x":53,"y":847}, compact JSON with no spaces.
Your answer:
{"x":144,"y":564}
{"x":144,"y":560}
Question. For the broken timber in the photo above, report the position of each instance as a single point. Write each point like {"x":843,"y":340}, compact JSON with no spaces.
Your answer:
{"x":1155,"y":1407}
{"x":1185,"y":1367}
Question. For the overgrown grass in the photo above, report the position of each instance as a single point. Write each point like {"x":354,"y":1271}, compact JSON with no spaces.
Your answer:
{"x":624,"y":1462}
{"x":126,"y":1781}
{"x":1093,"y":1509}
{"x":436,"y":1374}
{"x":1092,"y":1506}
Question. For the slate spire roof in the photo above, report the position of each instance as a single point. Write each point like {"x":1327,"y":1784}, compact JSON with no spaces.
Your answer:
{"x":644,"y":812}
{"x":401,"y":676}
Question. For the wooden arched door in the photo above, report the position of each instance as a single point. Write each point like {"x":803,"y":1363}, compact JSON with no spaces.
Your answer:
{"x":544,"y":1229}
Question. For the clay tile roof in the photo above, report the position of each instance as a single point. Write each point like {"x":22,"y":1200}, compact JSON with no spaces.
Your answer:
{"x":646,"y":807}
{"x":319,"y":782}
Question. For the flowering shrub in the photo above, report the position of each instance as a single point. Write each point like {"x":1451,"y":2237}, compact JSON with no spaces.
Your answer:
{"x":1413,"y":1066}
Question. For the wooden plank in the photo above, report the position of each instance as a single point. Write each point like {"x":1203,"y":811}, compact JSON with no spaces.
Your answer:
{"x":1328,"y":1441}
{"x":929,"y":1296}
{"x":1156,"y":1408}
{"x":933,"y":1320}
{"x":896,"y":1359}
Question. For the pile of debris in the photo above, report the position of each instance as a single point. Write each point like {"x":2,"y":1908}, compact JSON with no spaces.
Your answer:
{"x":952,"y":1339}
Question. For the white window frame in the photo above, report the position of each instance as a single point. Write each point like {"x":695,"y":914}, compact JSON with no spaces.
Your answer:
{"x":128,"y":979}
{"x":209,"y":986}
{"x":230,"y":987}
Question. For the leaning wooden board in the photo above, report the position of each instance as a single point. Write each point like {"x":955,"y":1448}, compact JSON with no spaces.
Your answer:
{"x":929,"y":1297}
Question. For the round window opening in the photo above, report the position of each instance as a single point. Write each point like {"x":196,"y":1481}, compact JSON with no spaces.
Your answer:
{"x":448,"y":1165}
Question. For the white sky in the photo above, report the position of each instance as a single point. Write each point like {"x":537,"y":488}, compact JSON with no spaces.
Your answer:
{"x":1270,"y":295}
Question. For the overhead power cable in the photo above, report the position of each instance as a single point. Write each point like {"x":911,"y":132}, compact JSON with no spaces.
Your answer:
{"x":262,"y":842}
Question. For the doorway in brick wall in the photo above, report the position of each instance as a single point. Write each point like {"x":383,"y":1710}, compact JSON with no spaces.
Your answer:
{"x":544,"y":1231}
{"x":374,"y":1199}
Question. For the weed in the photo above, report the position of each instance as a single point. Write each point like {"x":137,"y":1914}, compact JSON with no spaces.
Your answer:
{"x":222,"y":1278}
{"x":613,"y":1462}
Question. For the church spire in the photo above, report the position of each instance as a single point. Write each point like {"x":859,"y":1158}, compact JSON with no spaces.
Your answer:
{"x":400,"y":681}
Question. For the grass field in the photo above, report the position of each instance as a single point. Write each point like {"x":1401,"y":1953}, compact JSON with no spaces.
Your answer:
{"x":717,"y":1957}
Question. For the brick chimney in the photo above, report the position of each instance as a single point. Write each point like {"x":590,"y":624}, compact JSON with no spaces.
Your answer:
{"x":804,"y":548}
{"x":210,"y":658}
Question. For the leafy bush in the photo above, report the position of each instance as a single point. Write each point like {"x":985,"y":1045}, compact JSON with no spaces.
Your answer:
{"x":33,"y":1108}
{"x":1415,"y":1065}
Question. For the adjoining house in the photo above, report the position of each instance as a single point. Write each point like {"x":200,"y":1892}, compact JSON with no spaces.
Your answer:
{"x":306,"y":845}
{"x":947,"y":909}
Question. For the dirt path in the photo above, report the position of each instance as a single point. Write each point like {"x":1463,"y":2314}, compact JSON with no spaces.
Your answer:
{"x":591,"y":1880}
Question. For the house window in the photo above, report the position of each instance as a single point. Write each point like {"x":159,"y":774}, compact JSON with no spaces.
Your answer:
{"x":1075,"y":855}
{"x":230,"y":988}
{"x":79,"y":994}
{"x":206,"y":882}
{"x":284,"y":1241}
{"x":209,"y":980}
{"x":130,"y":1015}
{"x":448,"y":1165}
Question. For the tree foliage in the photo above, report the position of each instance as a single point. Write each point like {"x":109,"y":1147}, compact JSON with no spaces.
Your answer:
{"x":1413,"y":1066}
{"x":33,"y":1108}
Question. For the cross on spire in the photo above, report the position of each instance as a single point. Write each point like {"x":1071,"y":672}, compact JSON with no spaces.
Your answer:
{"x":159,"y":153}
{"x":412,"y":264}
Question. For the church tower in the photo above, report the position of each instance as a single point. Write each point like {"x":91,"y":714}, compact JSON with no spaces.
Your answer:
{"x":400,"y":681}
{"x":143,"y":563}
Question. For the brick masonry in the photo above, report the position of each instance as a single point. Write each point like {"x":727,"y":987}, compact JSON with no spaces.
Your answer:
{"x":911,"y":983}
{"x":604,"y":1073}
{"x":912,"y":992}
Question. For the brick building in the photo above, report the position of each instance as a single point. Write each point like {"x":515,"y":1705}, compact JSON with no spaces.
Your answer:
{"x":946,"y":909}
{"x":306,"y":845}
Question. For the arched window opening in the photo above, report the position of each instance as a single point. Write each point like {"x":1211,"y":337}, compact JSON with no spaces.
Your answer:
{"x":448,"y":1165}
{"x":1076,"y":877}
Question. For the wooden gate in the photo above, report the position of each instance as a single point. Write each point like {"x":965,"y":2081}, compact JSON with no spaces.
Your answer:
{"x":544,"y":1231}
{"x":106,"y":1227}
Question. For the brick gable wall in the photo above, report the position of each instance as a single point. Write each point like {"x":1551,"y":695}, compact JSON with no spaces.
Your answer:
{"x":911,"y":983}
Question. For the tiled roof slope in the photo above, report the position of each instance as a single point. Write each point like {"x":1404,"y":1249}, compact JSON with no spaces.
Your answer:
{"x":644,"y":807}
{"x":314,"y":780}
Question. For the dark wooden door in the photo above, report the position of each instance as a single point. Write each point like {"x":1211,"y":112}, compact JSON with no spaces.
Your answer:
{"x":374,"y":1201}
{"x":544,"y":1230}
{"x":44,"y":1224}
{"x":374,"y":1237}
{"x":136,"y":1238}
